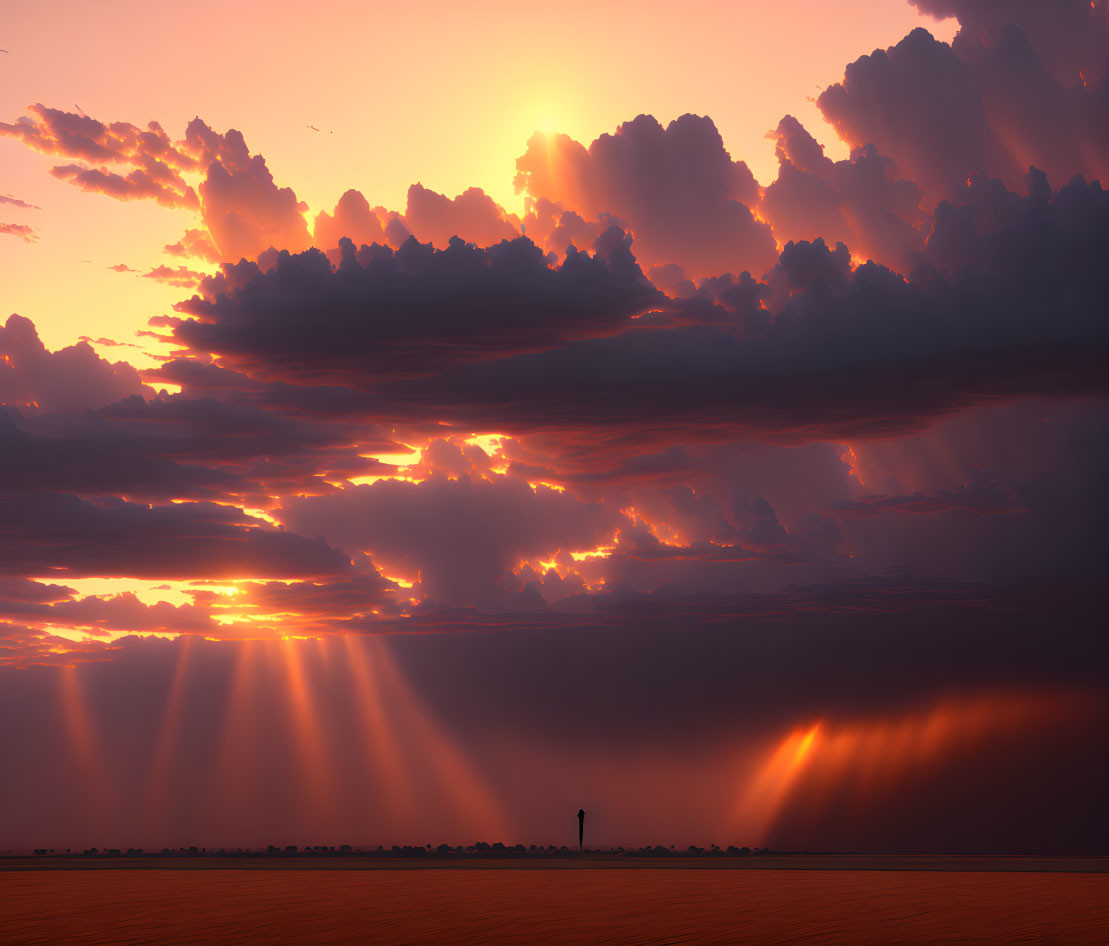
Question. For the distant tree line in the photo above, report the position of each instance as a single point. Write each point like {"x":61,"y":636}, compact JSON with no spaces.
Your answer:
{"x":477,"y":849}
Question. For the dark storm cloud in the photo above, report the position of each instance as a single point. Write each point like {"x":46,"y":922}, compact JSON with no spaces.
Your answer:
{"x":677,"y":188}
{"x":100,"y":465}
{"x":412,"y":311}
{"x":1005,"y":301}
{"x":843,"y":352}
{"x":57,"y":533}
{"x":176,"y":446}
{"x":985,"y":104}
{"x":71,"y":378}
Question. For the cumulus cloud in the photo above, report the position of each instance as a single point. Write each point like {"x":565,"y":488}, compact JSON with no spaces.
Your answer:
{"x":358,"y":222}
{"x":246,"y":212}
{"x":680,"y":193}
{"x":472,"y":215}
{"x":985,"y":104}
{"x":433,"y":218}
{"x":71,"y":378}
{"x":410,"y":311}
{"x":859,"y":201}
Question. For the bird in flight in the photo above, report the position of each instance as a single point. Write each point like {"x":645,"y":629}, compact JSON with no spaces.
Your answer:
{"x":313,"y":127}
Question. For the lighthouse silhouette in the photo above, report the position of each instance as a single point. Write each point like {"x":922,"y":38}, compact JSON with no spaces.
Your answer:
{"x":581,"y":830}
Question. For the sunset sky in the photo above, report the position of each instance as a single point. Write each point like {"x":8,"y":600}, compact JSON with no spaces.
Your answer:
{"x":422,"y":420}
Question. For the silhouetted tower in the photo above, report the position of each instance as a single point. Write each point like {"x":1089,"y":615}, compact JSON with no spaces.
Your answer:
{"x":581,"y":830}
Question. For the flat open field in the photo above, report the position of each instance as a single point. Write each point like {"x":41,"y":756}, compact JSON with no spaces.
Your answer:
{"x":543,"y":905}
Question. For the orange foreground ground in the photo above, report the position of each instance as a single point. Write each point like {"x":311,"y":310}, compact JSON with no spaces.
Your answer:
{"x":544,"y":906}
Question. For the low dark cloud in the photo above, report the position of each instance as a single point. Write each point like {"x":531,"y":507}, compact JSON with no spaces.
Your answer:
{"x":820,"y":350}
{"x":411,"y":311}
{"x":838,"y":353}
{"x":61,"y":534}
{"x":177,"y":446}
{"x":980,"y":496}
